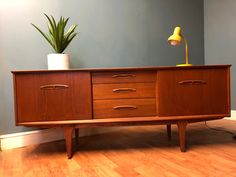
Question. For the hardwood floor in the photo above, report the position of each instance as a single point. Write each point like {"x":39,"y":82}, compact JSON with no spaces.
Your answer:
{"x":142,"y":151}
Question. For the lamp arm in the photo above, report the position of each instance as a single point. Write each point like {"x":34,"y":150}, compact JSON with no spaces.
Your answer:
{"x":186,"y":48}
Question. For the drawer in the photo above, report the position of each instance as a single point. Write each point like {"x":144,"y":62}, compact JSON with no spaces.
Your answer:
{"x":124,"y":108}
{"x":125,"y":90}
{"x":123,"y":77}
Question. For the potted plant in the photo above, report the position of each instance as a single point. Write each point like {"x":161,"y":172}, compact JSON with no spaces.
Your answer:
{"x":59,"y":39}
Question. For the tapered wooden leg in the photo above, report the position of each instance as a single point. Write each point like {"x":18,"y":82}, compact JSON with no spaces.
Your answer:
{"x":168,"y":127}
{"x":182,"y":135}
{"x":77,"y":136}
{"x":68,"y":131}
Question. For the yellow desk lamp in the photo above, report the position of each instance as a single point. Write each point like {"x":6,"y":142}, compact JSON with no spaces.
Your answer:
{"x":175,"y":39}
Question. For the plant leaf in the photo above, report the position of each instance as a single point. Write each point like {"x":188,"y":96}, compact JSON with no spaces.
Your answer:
{"x":69,"y":40}
{"x":70,"y":30}
{"x":44,"y":35}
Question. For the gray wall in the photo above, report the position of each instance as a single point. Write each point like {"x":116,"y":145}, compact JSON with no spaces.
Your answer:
{"x":220,"y":36}
{"x":113,"y":33}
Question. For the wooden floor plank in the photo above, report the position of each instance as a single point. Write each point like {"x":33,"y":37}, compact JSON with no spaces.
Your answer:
{"x":141,"y":151}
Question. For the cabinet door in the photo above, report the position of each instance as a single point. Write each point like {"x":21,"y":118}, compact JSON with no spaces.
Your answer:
{"x":52,"y":96}
{"x":193,"y":92}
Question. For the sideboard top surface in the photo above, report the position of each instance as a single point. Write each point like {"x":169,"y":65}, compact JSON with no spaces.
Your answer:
{"x":128,"y":68}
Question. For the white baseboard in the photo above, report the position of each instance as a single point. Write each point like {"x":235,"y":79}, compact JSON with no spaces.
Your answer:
{"x":22,"y":139}
{"x":233,"y":115}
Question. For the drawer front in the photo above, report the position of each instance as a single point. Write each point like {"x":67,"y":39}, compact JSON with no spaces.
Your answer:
{"x":53,"y":96}
{"x":126,"y":90}
{"x":123,"y":77}
{"x":124,"y":108}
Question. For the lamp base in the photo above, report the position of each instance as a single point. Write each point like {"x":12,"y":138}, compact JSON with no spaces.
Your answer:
{"x":186,"y":64}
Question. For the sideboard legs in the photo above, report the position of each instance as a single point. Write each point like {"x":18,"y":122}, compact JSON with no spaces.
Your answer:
{"x":168,"y":127}
{"x":182,"y":135}
{"x":77,"y":136}
{"x":68,"y":131}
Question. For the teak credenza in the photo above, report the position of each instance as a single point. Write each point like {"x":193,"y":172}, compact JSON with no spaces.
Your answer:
{"x":121,"y":96}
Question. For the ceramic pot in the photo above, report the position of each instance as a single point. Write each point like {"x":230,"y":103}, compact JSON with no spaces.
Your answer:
{"x":58,"y":61}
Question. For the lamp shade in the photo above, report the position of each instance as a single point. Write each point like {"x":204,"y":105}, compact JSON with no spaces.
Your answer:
{"x":175,"y":38}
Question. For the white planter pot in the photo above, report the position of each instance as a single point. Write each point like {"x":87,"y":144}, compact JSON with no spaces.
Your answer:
{"x":57,"y":61}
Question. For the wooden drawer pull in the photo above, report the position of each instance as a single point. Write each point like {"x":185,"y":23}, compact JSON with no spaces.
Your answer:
{"x":124,"y":90}
{"x":123,"y":75}
{"x":124,"y":107}
{"x":192,"y":82}
{"x":53,"y":86}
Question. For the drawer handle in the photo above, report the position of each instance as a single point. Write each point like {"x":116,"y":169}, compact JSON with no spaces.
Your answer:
{"x":192,"y":82}
{"x":53,"y":86}
{"x":124,"y":90}
{"x":124,"y":107}
{"x":123,"y":75}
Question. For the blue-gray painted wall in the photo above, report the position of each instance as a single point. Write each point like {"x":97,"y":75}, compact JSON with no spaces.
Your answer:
{"x":113,"y":33}
{"x":220,"y":37}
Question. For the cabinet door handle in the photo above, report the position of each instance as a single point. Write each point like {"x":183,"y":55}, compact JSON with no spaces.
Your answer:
{"x":124,"y":107}
{"x":192,"y":82}
{"x":123,"y":75}
{"x":53,"y":86}
{"x":124,"y":90}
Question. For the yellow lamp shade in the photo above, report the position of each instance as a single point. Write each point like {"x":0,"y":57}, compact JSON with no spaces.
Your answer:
{"x":175,"y":38}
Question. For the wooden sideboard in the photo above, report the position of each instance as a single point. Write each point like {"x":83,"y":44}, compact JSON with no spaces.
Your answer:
{"x":121,"y":97}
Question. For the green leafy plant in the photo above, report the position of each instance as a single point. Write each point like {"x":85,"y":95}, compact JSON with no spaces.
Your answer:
{"x":56,"y":36}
